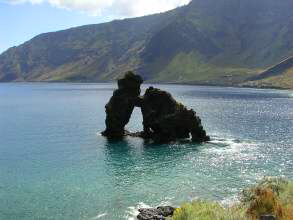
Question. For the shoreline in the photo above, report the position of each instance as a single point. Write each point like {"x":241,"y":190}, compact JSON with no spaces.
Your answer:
{"x":268,"y":199}
{"x":154,"y":83}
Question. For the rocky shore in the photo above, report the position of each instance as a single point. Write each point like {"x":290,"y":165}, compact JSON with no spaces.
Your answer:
{"x":159,"y":213}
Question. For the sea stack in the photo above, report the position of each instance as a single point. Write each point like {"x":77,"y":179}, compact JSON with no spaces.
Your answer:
{"x":164,"y":119}
{"x":121,"y":105}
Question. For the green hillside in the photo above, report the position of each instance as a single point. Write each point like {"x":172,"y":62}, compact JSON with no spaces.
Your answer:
{"x":218,"y":42}
{"x":279,"y":76}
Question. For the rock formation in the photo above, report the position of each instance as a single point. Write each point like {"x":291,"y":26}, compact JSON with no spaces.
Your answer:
{"x":160,"y":213}
{"x":164,"y":119}
{"x":121,"y":105}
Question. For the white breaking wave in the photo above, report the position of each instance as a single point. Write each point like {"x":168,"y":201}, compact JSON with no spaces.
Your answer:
{"x":230,"y":145}
{"x":132,"y":211}
{"x":99,"y":134}
{"x":99,"y":216}
{"x":230,"y":201}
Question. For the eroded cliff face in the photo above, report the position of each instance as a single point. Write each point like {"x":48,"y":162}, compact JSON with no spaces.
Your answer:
{"x":164,"y":119}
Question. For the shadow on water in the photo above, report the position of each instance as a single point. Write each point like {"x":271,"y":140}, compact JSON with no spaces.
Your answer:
{"x":134,"y":155}
{"x":138,"y":170}
{"x":136,"y":150}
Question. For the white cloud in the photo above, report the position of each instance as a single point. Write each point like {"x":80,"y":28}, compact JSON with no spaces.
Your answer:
{"x":111,"y":8}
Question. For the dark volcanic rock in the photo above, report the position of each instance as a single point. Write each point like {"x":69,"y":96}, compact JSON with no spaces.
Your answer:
{"x":164,"y":119}
{"x":159,"y":213}
{"x":121,"y":105}
{"x":267,"y":217}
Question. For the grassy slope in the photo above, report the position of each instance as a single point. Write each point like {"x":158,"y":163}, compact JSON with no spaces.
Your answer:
{"x":86,"y":53}
{"x":271,"y":196}
{"x":189,"y":68}
{"x":207,"y":42}
{"x":230,"y":46}
{"x":284,"y":80}
{"x":280,"y":76}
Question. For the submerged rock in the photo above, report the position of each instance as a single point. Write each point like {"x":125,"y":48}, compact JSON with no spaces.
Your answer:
{"x":160,"y":213}
{"x":164,"y":119}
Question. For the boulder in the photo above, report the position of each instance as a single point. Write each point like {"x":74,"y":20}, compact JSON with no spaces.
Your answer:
{"x":160,"y":213}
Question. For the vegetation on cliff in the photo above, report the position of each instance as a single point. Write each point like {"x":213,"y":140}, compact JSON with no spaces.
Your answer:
{"x":271,"y":196}
{"x":279,"y":75}
{"x":206,"y":42}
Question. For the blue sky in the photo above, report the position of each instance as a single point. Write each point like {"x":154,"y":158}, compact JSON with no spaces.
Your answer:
{"x":20,"y":23}
{"x":20,"y":20}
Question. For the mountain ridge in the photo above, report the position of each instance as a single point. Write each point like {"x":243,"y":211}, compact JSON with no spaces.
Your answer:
{"x":205,"y":42}
{"x":279,"y":76}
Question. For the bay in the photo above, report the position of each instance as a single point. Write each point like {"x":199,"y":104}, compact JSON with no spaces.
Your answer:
{"x":54,"y":164}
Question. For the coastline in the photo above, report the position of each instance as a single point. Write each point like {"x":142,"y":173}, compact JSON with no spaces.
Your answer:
{"x":268,"y":199}
{"x":153,"y":83}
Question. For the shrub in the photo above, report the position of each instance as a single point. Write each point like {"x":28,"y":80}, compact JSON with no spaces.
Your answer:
{"x":264,"y":202}
{"x":270,"y":196}
{"x":201,"y":210}
{"x":286,"y":198}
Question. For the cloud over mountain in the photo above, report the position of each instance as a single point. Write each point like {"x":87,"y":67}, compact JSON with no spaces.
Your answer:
{"x":111,"y":8}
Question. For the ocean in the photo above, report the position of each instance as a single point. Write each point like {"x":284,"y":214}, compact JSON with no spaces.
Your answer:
{"x":54,"y":164}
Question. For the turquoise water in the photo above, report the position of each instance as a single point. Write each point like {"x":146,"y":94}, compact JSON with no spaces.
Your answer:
{"x":55,"y":165}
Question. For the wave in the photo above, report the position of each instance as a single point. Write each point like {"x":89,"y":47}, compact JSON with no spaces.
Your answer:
{"x":132,"y":211}
{"x":230,"y":201}
{"x":230,"y":145}
{"x":99,"y":216}
{"x":221,"y":150}
{"x":99,"y":134}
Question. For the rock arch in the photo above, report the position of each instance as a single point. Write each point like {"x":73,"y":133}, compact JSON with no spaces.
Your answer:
{"x":164,"y":119}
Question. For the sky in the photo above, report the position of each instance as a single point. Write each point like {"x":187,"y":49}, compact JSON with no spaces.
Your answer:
{"x":21,"y":20}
